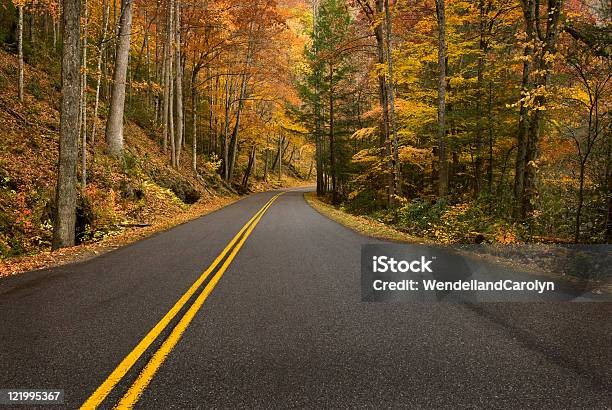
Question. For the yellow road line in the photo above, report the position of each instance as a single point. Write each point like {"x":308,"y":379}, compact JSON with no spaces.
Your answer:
{"x":133,"y":394}
{"x":126,"y":364}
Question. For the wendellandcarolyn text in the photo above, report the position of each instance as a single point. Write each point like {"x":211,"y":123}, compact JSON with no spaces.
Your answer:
{"x":463,"y":285}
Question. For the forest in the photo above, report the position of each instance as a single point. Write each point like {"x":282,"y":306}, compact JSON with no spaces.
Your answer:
{"x":126,"y":113}
{"x":453,"y":120}
{"x":465,"y":121}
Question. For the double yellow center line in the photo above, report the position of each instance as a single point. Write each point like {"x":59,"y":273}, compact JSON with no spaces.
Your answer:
{"x":144,"y":378}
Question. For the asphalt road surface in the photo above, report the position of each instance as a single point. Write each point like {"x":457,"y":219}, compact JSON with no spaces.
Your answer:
{"x":278,"y":322}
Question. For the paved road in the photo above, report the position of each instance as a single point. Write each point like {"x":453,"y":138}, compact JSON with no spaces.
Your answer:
{"x":284,"y":327}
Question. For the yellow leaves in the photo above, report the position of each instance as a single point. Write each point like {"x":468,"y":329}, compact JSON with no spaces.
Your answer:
{"x":288,"y":124}
{"x":366,"y":157}
{"x":415,"y":156}
{"x":415,"y":113}
{"x":575,"y":93}
{"x":364,"y":133}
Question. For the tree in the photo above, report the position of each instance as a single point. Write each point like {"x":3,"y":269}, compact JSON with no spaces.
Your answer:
{"x":83,"y":102}
{"x":179,"y":83}
{"x":541,"y":58}
{"x":374,"y":14}
{"x":20,"y":49}
{"x":391,"y":92}
{"x":114,"y":125}
{"x":442,"y":156}
{"x":65,"y":215}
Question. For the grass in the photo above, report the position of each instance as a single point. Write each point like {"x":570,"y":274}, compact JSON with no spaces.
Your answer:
{"x":361,"y":224}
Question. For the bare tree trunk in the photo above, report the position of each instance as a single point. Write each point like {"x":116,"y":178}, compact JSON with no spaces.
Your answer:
{"x":234,"y":137}
{"x":266,"y":154}
{"x":580,"y":201}
{"x":54,"y":34}
{"x":250,"y":166}
{"x":114,"y":125}
{"x":20,"y":51}
{"x":519,"y":176}
{"x":65,"y":214}
{"x":385,"y":140}
{"x":148,"y":57}
{"x":242,"y":96}
{"x":290,"y":160}
{"x":332,"y":148}
{"x":179,"y":83}
{"x":279,"y":156}
{"x":608,"y":234}
{"x":167,"y":81}
{"x":317,"y":105}
{"x":490,"y":127}
{"x":226,"y":131}
{"x":83,"y":119}
{"x":310,"y":171}
{"x":608,"y":171}
{"x":211,"y":111}
{"x":397,"y":175}
{"x":478,"y":163}
{"x":171,"y":116}
{"x":442,"y":156}
{"x":194,"y":119}
{"x":101,"y":49}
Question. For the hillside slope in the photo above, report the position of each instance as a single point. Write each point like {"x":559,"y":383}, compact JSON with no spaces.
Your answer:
{"x":140,"y":191}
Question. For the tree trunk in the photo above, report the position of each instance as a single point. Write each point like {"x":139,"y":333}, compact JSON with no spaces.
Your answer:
{"x":83,"y":110}
{"x":482,"y":48}
{"x":310,"y":171}
{"x":291,"y":157}
{"x":54,"y":34}
{"x":580,"y":201}
{"x":317,"y":104}
{"x":20,"y":52}
{"x":397,"y":185}
{"x":101,"y":49}
{"x":442,"y":156}
{"x":544,"y":67}
{"x":65,"y":215}
{"x":608,"y":234}
{"x":171,"y":129}
{"x":266,"y":154}
{"x":608,"y":171}
{"x":194,"y":120}
{"x":279,"y":156}
{"x":332,"y":156}
{"x":385,"y":141}
{"x":242,"y":96}
{"x":179,"y":83}
{"x":114,"y":125}
{"x":226,"y":130}
{"x":519,"y":176}
{"x":211,"y":112}
{"x":166,"y":111}
{"x":279,"y":152}
{"x":250,"y":166}
{"x":490,"y":127}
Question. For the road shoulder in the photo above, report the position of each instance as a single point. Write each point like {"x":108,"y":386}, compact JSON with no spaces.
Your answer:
{"x":378,"y":230}
{"x":128,"y":236}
